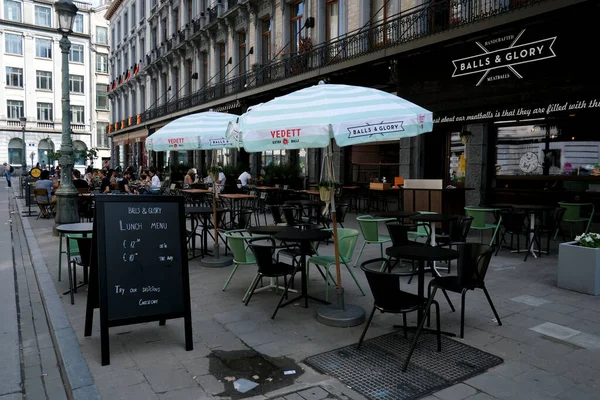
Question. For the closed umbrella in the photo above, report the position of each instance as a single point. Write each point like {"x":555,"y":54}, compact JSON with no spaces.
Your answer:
{"x":310,"y":118}
{"x":200,"y":131}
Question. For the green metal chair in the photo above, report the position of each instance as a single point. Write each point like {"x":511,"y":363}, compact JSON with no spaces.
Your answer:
{"x":573,"y":213}
{"x":369,"y":227}
{"x":423,"y":229}
{"x":72,"y":249}
{"x":347,"y":239}
{"x":479,"y":221}
{"x":242,"y":255}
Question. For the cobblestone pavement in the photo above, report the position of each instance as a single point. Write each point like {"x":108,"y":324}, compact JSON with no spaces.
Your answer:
{"x":550,"y":338}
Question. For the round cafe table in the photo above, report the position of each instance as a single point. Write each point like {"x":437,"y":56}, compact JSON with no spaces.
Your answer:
{"x":399,"y":214}
{"x":205,"y":213}
{"x":305,"y":238}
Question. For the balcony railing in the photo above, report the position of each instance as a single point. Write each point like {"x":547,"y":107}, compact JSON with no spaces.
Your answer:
{"x":78,"y":127}
{"x":45,"y":125}
{"x":421,"y":21}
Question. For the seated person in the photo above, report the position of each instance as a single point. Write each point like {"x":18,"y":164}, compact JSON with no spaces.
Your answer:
{"x":245,"y":178}
{"x":189,"y":179}
{"x":105,"y":184}
{"x":154,"y":182}
{"x":45,"y":183}
{"x":78,"y":182}
{"x":124,"y":183}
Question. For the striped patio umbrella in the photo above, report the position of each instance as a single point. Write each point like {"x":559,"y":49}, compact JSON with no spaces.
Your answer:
{"x":311,"y":117}
{"x":201,"y":131}
{"x":308,"y":118}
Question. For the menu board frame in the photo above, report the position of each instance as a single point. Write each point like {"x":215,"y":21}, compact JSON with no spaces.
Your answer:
{"x":99,"y":292}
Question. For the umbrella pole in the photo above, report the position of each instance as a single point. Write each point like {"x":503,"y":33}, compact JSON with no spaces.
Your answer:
{"x":339,"y":314}
{"x":215,"y":219}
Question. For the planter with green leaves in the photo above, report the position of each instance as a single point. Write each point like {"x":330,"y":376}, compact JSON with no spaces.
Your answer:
{"x":326,"y":190}
{"x":579,"y":264}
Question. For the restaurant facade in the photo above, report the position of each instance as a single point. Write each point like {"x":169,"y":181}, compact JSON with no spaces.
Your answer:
{"x":516,"y":75}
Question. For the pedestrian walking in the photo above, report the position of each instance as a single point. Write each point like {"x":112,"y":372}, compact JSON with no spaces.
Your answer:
{"x":8,"y":170}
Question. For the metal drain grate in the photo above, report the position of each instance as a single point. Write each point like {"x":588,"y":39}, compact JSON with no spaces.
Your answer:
{"x":375,"y":370}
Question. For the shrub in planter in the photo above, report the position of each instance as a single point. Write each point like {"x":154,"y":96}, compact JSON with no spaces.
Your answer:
{"x":579,"y":264}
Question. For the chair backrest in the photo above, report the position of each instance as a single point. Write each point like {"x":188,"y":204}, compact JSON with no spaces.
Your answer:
{"x":399,"y":233}
{"x":263,"y":253}
{"x":369,"y":226}
{"x":40,"y":192}
{"x":84,"y":245}
{"x":473,"y":262}
{"x":478,"y":217}
{"x":237,"y":244}
{"x":244,"y":218}
{"x":385,"y":286}
{"x":276,"y":213}
{"x":340,"y":212}
{"x":423,"y":228}
{"x":557,"y":218}
{"x":291,"y":215}
{"x":513,"y":221}
{"x":460,"y":229}
{"x":347,"y":239}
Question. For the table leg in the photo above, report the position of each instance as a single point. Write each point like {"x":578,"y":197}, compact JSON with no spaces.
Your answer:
{"x":432,"y":241}
{"x":304,"y":283}
{"x":421,"y":288}
{"x":531,"y":235}
{"x":60,"y":242}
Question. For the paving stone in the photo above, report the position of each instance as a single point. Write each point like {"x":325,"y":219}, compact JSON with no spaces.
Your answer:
{"x":512,"y":368}
{"x":586,"y":341}
{"x":12,"y":396}
{"x":555,"y":330}
{"x":163,"y":380}
{"x":210,"y":384}
{"x":579,"y":392}
{"x":55,"y":389}
{"x":34,"y":388}
{"x":141,"y":391}
{"x":198,"y":366}
{"x":293,"y":396}
{"x":315,"y":393}
{"x":481,"y":396}
{"x":456,"y":392}
{"x":185,"y":394}
{"x":530,"y":300}
{"x":119,"y":377}
{"x":545,"y":382}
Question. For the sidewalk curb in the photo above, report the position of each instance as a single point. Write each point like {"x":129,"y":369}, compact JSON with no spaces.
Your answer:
{"x":74,"y":368}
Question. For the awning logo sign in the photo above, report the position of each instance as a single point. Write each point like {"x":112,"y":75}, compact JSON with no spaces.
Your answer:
{"x":507,"y":57}
{"x":374,"y":129}
{"x":219,"y":142}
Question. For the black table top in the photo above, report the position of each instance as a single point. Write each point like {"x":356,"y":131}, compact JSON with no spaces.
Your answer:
{"x":421,"y":253}
{"x":268,"y":230}
{"x":396,"y":214}
{"x":433,"y":217}
{"x":532,"y":207}
{"x":304,"y":202}
{"x":202,"y":210}
{"x":296,"y":235}
{"x":80,"y":227}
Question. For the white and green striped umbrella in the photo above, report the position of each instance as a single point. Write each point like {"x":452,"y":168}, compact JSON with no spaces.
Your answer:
{"x":201,"y":131}
{"x":310,"y":117}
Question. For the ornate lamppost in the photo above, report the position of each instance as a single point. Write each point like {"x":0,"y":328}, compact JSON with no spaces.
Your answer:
{"x":66,"y":194}
{"x":24,"y":157}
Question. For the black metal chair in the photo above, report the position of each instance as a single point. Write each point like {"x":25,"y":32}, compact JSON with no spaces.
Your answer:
{"x":513,"y":223}
{"x":473,"y":262}
{"x":459,"y":230}
{"x":551,"y":226}
{"x":270,"y":268}
{"x":385,"y":287}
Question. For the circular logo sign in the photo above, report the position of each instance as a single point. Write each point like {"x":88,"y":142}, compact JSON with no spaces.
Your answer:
{"x":285,"y":141}
{"x":529,"y":162}
{"x":35,"y":172}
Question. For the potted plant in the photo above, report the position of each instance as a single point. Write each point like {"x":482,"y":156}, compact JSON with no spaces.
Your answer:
{"x":579,"y":264}
{"x":326,"y":189}
{"x":465,"y":136}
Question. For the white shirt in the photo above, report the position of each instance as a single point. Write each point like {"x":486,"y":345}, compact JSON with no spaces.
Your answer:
{"x":222,"y":178}
{"x":155,"y":182}
{"x":243,"y":178}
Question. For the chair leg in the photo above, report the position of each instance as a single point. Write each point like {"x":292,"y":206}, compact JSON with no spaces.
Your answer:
{"x":366,"y":328}
{"x":360,"y":253}
{"x":492,"y":305}
{"x":70,"y":281}
{"x":438,"y":324}
{"x":235,"y":267}
{"x":381,"y":249}
{"x":462,"y":313}
{"x":285,"y":292}
{"x":416,"y":338}
{"x":404,"y":325}
{"x":355,"y":280}
{"x":448,"y":300}
{"x":251,"y":288}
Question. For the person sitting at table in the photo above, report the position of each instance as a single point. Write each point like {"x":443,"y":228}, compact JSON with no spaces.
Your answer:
{"x":154,"y":181}
{"x":189,"y":178}
{"x":245,"y":178}
{"x":45,"y":183}
{"x":78,"y":182}
{"x":124,"y":183}
{"x":105,"y":184}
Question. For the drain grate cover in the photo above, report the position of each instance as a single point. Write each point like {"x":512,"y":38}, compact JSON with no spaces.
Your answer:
{"x":375,"y":370}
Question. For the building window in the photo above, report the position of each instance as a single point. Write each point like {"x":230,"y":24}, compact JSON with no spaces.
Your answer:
{"x":80,"y":152}
{"x":242,"y":53}
{"x":102,"y":134}
{"x":76,"y":83}
{"x":102,"y":35}
{"x":12,"y":10}
{"x":266,"y":41}
{"x":142,"y":9}
{"x":119,"y":32}
{"x":112,"y":37}
{"x":13,"y":44}
{"x":15,"y":151}
{"x":296,"y":23}
{"x":133,"y":20}
{"x":44,"y":112}
{"x":101,"y":97}
{"x":332,"y":19}
{"x":14,"y":77}
{"x":43,"y":16}
{"x":125,"y":24}
{"x":204,"y":56}
{"x":222,"y":62}
{"x":78,"y":23}
{"x":102,"y":63}
{"x":14,"y":109}
{"x":43,"y":80}
{"x":77,"y":115}
{"x":43,"y":48}
{"x":76,"y":53}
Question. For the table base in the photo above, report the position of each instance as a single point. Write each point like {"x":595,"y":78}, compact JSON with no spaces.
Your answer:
{"x":332,"y":315}
{"x":216,"y":262}
{"x":306,"y":297}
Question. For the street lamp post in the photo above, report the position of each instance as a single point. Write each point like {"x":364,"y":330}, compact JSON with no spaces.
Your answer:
{"x":66,"y":194}
{"x":24,"y":157}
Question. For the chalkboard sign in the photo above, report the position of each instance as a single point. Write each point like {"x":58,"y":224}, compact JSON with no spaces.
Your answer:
{"x":141,"y":259}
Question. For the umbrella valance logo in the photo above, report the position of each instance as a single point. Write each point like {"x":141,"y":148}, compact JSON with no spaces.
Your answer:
{"x":507,"y":57}
{"x":374,"y":129}
{"x":219,"y":142}
{"x":286,"y":136}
